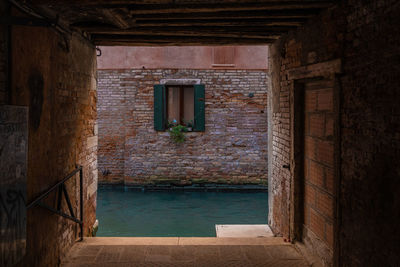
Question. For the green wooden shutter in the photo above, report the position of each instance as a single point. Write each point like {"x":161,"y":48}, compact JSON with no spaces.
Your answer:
{"x":199,"y":105}
{"x":159,"y":107}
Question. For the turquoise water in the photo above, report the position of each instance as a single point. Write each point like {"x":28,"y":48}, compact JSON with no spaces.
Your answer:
{"x":137,"y":213}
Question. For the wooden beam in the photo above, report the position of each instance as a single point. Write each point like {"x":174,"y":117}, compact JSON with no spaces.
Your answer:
{"x":223,"y":22}
{"x":201,"y":34}
{"x":175,"y":40}
{"x":254,"y":14}
{"x":116,"y":18}
{"x":109,"y":29}
{"x":171,"y":6}
{"x":220,"y":6}
{"x":254,"y":32}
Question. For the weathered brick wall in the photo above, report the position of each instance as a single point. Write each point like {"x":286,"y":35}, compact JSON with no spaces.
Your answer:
{"x":233,"y":148}
{"x":56,"y":78}
{"x":363,"y":36}
{"x":112,"y":111}
{"x":319,"y":165}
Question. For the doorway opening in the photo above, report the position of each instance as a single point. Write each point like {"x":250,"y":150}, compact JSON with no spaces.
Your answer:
{"x":217,"y":175}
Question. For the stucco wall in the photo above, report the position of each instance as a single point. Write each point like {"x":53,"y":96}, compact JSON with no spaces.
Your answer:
{"x":182,"y":57}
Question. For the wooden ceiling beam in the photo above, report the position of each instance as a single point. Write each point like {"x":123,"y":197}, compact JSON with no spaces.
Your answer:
{"x":93,"y":27}
{"x":222,"y":22}
{"x":176,"y":40}
{"x":116,"y":18}
{"x":170,"y":6}
{"x":159,"y":2}
{"x":220,"y":6}
{"x":258,"y":32}
{"x":268,"y":35}
{"x":255,"y":14}
{"x":181,"y":22}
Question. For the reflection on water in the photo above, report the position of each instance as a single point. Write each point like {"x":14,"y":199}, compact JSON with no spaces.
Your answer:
{"x":135,"y":213}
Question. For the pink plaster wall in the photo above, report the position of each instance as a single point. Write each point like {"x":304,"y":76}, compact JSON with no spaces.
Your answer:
{"x":179,"y":57}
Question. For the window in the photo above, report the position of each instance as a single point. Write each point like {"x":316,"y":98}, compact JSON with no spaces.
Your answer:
{"x":183,"y":103}
{"x":180,"y":104}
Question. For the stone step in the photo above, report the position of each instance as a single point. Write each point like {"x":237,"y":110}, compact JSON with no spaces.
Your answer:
{"x":160,"y":241}
{"x":243,"y":230}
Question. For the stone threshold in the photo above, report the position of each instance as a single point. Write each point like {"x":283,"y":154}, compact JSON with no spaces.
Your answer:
{"x":183,"y":241}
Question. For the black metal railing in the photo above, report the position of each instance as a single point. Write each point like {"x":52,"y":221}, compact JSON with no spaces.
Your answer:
{"x":62,"y":190}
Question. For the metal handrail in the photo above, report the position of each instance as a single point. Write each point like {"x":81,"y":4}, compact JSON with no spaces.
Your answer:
{"x":62,"y":190}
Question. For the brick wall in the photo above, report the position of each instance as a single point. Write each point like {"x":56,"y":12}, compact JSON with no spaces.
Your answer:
{"x":365,"y":175}
{"x":319,"y":162}
{"x":233,"y":149}
{"x":56,"y":78}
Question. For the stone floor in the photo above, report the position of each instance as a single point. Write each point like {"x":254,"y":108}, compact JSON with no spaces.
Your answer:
{"x":178,"y":251}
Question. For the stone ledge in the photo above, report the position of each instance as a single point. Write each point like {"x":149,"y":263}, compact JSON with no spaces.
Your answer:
{"x":168,"y":241}
{"x":192,"y":187}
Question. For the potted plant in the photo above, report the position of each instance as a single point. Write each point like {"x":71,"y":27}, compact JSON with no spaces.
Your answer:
{"x":177,"y":131}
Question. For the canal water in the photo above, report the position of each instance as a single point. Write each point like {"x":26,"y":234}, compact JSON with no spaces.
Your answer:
{"x":124,"y":212}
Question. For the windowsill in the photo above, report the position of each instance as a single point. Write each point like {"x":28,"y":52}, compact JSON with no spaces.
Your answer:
{"x":222,"y":65}
{"x":188,"y":131}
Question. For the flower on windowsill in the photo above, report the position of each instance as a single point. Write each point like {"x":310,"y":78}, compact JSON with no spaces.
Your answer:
{"x":177,"y":133}
{"x":171,"y":124}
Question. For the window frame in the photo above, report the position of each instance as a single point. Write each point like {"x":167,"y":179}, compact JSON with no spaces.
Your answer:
{"x":181,"y":101}
{"x":160,"y":106}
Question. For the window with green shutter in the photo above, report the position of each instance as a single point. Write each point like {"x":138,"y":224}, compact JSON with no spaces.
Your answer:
{"x":182,"y":104}
{"x":159,"y":107}
{"x":199,"y":105}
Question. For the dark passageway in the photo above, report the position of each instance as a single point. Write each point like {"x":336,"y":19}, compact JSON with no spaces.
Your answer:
{"x":333,"y":116}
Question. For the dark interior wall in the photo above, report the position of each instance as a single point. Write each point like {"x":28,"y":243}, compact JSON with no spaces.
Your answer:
{"x":363,"y":35}
{"x":4,"y":10}
{"x":370,"y":147}
{"x":55,"y":76}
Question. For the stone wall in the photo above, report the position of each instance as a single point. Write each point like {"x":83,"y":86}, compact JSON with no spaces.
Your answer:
{"x":233,"y":148}
{"x":361,"y":35}
{"x":55,"y":76}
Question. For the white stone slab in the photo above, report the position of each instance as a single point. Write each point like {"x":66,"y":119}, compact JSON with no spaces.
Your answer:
{"x":243,"y":230}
